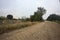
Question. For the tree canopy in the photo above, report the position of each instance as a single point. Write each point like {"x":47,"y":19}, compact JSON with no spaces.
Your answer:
{"x":38,"y":14}
{"x":53,"y":17}
{"x":10,"y":16}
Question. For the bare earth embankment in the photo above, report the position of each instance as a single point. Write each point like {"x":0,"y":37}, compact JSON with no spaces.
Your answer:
{"x":41,"y":31}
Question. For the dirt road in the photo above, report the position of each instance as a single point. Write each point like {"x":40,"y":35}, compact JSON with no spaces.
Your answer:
{"x":41,"y":31}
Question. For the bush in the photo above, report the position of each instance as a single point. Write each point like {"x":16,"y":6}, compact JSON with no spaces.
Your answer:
{"x":2,"y":18}
{"x":10,"y":27}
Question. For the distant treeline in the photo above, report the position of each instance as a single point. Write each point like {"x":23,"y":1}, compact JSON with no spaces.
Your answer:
{"x":9,"y":17}
{"x":37,"y":16}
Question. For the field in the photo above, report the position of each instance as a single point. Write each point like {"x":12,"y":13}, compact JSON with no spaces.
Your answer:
{"x":10,"y":25}
{"x":41,"y":31}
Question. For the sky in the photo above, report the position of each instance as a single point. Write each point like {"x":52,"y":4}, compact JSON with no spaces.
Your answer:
{"x":25,"y":8}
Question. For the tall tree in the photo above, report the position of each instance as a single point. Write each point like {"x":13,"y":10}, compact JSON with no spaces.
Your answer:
{"x":41,"y":11}
{"x":38,"y":14}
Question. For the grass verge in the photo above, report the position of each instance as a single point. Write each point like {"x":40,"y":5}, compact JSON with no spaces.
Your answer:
{"x":10,"y":27}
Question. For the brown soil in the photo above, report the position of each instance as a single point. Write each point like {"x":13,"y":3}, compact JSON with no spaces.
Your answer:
{"x":41,"y":31}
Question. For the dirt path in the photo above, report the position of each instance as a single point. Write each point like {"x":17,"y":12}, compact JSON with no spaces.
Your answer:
{"x":41,"y":31}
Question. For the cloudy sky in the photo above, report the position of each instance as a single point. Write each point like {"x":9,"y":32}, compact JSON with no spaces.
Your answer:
{"x":20,"y":8}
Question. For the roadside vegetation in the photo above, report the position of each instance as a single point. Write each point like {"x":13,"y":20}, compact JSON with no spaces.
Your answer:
{"x":7,"y":27}
{"x":9,"y":23}
{"x":54,"y":18}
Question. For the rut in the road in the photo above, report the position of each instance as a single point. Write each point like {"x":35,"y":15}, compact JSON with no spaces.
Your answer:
{"x":42,"y":31}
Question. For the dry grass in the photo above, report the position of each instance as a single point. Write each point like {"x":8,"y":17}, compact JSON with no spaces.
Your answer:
{"x":42,"y":31}
{"x":18,"y":25}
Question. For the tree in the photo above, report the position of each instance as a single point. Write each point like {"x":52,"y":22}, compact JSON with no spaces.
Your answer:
{"x":27,"y":19}
{"x":53,"y":17}
{"x":32,"y":18}
{"x":10,"y":17}
{"x":38,"y":14}
{"x":41,"y":11}
{"x":2,"y":18}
